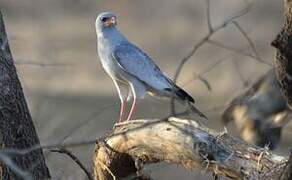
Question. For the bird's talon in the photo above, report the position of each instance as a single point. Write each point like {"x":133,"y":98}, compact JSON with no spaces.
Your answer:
{"x":117,"y":124}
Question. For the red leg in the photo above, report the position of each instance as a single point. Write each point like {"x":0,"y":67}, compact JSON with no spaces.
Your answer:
{"x":132,"y":109}
{"x":123,"y":105}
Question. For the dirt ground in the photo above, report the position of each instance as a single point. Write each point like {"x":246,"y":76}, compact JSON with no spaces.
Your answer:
{"x":72,"y":99}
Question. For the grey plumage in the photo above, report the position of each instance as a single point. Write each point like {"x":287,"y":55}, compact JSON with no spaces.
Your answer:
{"x":134,"y":73}
{"x":259,"y":113}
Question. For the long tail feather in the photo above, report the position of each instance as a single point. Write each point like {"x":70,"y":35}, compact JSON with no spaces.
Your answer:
{"x":195,"y":110}
{"x":184,"y":95}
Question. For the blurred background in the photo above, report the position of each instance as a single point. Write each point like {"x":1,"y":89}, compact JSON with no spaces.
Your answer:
{"x":72,"y":99}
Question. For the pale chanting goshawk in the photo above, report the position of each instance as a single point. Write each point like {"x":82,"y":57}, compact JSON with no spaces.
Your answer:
{"x":133,"y":72}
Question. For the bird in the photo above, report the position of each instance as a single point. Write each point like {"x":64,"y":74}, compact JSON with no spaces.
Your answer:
{"x":260,"y":113}
{"x":133,"y":72}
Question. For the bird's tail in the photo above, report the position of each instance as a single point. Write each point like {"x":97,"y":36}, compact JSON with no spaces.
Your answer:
{"x":195,"y":110}
{"x":184,"y":96}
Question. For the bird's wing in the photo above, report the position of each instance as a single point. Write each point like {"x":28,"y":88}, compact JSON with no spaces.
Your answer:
{"x":137,"y":63}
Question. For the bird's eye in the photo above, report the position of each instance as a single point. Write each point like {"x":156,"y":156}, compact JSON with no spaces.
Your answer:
{"x":103,"y":19}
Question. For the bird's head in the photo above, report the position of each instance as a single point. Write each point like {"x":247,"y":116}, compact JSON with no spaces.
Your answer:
{"x":105,"y":20}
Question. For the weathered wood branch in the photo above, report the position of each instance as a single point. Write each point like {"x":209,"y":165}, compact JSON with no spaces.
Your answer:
{"x":16,"y":127}
{"x":183,"y":142}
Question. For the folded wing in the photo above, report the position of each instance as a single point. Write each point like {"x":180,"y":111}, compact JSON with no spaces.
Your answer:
{"x":138,"y":64}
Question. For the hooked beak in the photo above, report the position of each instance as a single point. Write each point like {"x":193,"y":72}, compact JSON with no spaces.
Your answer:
{"x":111,"y":22}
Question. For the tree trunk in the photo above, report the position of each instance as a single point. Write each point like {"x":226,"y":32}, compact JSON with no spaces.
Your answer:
{"x":283,"y":58}
{"x":283,"y":65}
{"x":16,"y":127}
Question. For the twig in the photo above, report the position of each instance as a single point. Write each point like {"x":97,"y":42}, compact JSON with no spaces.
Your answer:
{"x":48,"y":146}
{"x":206,"y":37}
{"x":250,"y":42}
{"x":206,"y":82}
{"x":85,"y":122}
{"x":242,"y":79}
{"x":209,"y":23}
{"x":218,"y":44}
{"x":74,"y":158}
{"x":40,"y":64}
{"x":203,"y":41}
{"x":207,"y":70}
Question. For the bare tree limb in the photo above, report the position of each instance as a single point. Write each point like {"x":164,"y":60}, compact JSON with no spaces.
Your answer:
{"x":250,"y":42}
{"x":208,"y":14}
{"x":206,"y":37}
{"x":184,"y":142}
{"x":75,"y":159}
{"x":208,"y":69}
{"x":211,"y":32}
{"x":241,"y":77}
{"x":205,"y":82}
{"x":218,"y":44}
{"x":13,"y":151}
{"x":40,"y":64}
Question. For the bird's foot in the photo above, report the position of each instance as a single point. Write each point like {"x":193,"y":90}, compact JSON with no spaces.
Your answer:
{"x":117,"y":125}
{"x":123,"y":123}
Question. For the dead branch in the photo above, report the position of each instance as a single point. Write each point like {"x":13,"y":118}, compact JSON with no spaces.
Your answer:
{"x":183,"y":142}
{"x":250,"y":43}
{"x":74,"y":158}
{"x":212,"y":31}
{"x":244,"y":82}
{"x":201,"y":74}
{"x":208,"y":36}
{"x":40,"y":64}
{"x":237,"y":51}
